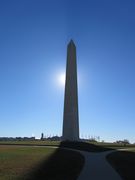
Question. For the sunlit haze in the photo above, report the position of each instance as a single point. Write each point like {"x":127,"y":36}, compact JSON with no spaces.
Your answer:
{"x":61,"y":79}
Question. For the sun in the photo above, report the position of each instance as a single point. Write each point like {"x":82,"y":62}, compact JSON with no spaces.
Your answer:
{"x":61,"y":79}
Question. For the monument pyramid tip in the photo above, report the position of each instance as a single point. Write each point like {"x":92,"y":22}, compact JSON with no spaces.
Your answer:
{"x":71,"y":42}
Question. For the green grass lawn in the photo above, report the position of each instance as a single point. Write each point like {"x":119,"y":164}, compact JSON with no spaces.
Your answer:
{"x":34,"y":142}
{"x":21,"y":162}
{"x":84,"y":146}
{"x":88,"y":146}
{"x":29,"y":163}
{"x":124,"y":163}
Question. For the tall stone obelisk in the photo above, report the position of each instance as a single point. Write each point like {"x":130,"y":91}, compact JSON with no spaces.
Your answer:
{"x":70,"y":116}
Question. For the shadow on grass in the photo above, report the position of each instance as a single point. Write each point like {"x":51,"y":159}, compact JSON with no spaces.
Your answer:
{"x":84,"y":146}
{"x":64,"y":164}
{"x":124,"y":163}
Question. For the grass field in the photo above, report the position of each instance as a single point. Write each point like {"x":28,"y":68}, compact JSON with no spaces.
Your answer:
{"x":58,"y":143}
{"x":124,"y":163}
{"x":34,"y":142}
{"x":29,"y":163}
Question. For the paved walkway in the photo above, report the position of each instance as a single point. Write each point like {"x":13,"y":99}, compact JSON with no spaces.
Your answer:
{"x":96,"y":167}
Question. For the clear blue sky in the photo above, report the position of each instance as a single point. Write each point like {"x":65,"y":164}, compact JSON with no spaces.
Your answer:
{"x":33,"y":39}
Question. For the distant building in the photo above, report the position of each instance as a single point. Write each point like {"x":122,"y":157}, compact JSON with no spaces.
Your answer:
{"x":42,"y":136}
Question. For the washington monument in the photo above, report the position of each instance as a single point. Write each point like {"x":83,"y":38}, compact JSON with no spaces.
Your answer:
{"x":70,"y":116}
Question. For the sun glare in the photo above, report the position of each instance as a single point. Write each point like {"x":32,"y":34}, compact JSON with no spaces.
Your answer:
{"x":61,"y":79}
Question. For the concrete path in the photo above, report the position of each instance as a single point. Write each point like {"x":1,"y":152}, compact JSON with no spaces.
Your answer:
{"x":96,"y":167}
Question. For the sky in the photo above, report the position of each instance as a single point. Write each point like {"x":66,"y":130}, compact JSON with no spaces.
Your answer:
{"x":33,"y":42}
